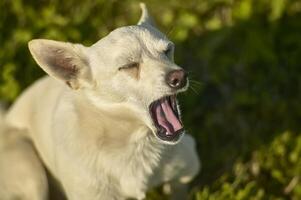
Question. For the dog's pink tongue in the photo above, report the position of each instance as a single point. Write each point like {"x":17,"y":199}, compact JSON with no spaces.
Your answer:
{"x":167,"y":118}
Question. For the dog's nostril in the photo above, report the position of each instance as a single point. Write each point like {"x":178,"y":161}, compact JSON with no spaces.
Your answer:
{"x":176,"y":79}
{"x":175,"y":82}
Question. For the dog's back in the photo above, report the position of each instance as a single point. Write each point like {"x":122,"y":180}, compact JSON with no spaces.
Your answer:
{"x":21,"y":172}
{"x":38,"y":99}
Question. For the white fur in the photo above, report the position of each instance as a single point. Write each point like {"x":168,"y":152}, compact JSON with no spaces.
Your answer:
{"x":96,"y":136}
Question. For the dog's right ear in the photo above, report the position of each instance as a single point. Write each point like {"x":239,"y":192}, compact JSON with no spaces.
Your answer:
{"x":62,"y":60}
{"x":145,"y":19}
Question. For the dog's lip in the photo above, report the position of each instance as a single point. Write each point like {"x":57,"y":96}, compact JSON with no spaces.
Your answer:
{"x":175,"y":137}
{"x":166,"y":119}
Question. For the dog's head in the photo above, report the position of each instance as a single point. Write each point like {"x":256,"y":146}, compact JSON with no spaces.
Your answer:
{"x":132,"y":66}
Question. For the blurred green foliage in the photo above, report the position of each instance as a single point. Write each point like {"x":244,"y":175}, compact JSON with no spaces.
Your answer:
{"x":244,"y":60}
{"x":273,"y":172}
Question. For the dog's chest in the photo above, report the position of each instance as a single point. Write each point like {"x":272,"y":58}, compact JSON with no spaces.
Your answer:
{"x":138,"y":168}
{"x":125,"y":171}
{"x":111,"y":160}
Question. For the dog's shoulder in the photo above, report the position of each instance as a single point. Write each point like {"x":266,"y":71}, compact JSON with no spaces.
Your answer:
{"x":39,"y":94}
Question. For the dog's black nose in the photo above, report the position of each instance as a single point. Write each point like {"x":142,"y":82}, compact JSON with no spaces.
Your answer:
{"x":176,"y":79}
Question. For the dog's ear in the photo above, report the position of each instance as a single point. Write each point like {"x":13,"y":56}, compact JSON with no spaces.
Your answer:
{"x":145,"y":19}
{"x":62,"y":60}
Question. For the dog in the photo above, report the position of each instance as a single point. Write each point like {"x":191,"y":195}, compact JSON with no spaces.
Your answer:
{"x":105,"y":123}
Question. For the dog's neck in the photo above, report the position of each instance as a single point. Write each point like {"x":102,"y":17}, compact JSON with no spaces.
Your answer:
{"x":115,"y":131}
{"x":115,"y":124}
{"x":117,"y":138}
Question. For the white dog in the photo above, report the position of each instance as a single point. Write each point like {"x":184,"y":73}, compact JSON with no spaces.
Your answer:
{"x":105,"y":123}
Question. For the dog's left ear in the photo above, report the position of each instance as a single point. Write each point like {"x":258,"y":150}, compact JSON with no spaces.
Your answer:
{"x":145,"y":19}
{"x":62,"y":60}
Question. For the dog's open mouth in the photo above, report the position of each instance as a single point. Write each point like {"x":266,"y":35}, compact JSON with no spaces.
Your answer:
{"x":166,"y":118}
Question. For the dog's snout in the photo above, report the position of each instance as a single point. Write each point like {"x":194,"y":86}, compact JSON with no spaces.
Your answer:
{"x":176,"y":79}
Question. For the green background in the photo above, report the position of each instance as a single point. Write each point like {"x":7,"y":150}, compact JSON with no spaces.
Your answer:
{"x":243,"y":57}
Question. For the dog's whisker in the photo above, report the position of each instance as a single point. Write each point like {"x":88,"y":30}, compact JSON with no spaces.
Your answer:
{"x":197,"y":86}
{"x":195,"y":82}
{"x":170,"y":31}
{"x":194,"y":90}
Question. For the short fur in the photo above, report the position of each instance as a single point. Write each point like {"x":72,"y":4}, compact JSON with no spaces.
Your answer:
{"x":89,"y":121}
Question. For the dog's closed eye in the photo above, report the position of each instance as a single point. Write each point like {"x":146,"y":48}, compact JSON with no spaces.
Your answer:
{"x":133,"y":69}
{"x":168,"y":52}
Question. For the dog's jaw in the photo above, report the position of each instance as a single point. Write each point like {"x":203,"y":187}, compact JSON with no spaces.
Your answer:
{"x":143,"y":114}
